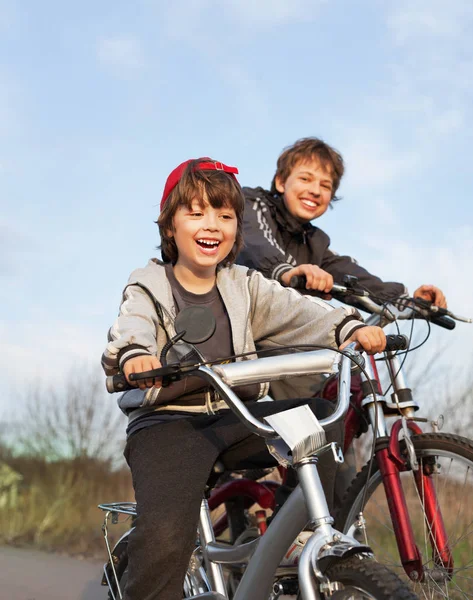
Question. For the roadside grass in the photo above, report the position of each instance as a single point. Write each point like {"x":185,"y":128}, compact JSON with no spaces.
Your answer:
{"x":55,"y":507}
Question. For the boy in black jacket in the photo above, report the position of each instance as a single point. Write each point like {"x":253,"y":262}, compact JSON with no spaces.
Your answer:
{"x":280,"y":240}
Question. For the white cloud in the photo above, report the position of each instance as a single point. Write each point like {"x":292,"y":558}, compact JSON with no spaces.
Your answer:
{"x":8,"y":106}
{"x":8,"y":14}
{"x":373,"y":160}
{"x":437,"y":46}
{"x":270,"y":13}
{"x":122,"y":54}
{"x":445,"y":262}
{"x":411,"y":19}
{"x":14,"y":246}
{"x":199,"y":17}
{"x":425,"y":98}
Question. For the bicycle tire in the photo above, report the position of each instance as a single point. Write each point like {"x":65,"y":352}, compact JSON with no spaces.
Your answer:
{"x":363,"y":578}
{"x":452,"y":459}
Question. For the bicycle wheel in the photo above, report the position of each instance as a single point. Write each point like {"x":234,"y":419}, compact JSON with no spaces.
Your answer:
{"x":363,"y":578}
{"x":448,"y":460}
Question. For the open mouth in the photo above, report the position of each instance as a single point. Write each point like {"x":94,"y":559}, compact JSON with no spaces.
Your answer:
{"x":208,"y":244}
{"x":309,"y":203}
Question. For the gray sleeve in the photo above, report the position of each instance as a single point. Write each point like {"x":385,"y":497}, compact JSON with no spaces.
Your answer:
{"x":134,"y":332}
{"x":261,"y":250}
{"x":281,"y":316}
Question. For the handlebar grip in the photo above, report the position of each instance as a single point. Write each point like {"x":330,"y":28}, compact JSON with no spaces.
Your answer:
{"x":442,"y":321}
{"x":298,"y":282}
{"x":117,"y":383}
{"x":154,"y":373}
{"x":396,"y":342}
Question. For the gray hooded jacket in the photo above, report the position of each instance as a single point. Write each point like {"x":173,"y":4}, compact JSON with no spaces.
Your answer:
{"x":262,"y":315}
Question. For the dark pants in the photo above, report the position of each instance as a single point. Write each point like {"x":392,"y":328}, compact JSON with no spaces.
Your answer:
{"x":170,"y":464}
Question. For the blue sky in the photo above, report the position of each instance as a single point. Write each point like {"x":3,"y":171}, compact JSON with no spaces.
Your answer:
{"x":100,"y":100}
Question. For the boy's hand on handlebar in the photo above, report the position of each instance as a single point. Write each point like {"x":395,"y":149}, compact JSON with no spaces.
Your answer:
{"x":431,"y":294}
{"x":371,"y":339}
{"x":140,"y":364}
{"x":317,"y":279}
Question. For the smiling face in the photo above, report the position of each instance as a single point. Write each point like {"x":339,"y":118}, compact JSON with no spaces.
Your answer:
{"x":307,"y":191}
{"x":204,"y":235}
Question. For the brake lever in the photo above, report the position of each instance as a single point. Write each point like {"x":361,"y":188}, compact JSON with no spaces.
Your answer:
{"x":440,"y":311}
{"x":448,"y":313}
{"x":169,"y":373}
{"x":348,"y":290}
{"x":458,"y":318}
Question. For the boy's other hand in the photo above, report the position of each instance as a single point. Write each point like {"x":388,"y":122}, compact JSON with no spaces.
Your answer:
{"x":370,"y":339}
{"x":317,"y":279}
{"x":431,"y":294}
{"x":140,"y":364}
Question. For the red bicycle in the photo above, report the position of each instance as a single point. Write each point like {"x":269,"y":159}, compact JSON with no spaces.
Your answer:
{"x":411,"y":502}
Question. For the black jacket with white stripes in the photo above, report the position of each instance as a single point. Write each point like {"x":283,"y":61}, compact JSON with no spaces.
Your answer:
{"x":276,"y":242}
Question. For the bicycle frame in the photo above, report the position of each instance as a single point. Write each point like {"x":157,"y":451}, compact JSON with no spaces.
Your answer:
{"x":391,"y":463}
{"x":263,"y":555}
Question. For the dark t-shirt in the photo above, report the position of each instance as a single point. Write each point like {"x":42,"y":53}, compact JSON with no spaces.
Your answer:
{"x":218,"y":345}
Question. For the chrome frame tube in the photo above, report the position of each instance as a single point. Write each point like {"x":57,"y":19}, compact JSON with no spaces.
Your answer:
{"x":314,"y":495}
{"x":373,"y":319}
{"x":237,"y":406}
{"x":344,"y":380}
{"x":377,"y":420}
{"x":273,"y":368}
{"x":207,"y":536}
{"x":374,"y":408}
{"x":368,"y":367}
{"x":396,"y":373}
{"x":213,"y":377}
{"x":308,"y":584}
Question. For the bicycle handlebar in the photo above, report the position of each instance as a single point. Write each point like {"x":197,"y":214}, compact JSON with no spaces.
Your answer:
{"x":419,"y":308}
{"x":275,"y":367}
{"x":411,"y":310}
{"x":253,"y":371}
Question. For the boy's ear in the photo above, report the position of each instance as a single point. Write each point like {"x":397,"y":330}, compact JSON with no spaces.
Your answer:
{"x":279,"y":184}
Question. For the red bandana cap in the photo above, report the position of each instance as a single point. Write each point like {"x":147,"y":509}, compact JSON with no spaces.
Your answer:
{"x":176,"y":174}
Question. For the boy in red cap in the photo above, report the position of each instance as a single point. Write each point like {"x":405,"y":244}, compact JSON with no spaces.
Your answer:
{"x":176,"y":433}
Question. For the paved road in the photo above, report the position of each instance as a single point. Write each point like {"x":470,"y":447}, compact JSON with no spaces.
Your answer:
{"x":32,"y":575}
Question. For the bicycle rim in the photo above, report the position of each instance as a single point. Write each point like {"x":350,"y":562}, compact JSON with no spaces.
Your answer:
{"x":449,"y":459}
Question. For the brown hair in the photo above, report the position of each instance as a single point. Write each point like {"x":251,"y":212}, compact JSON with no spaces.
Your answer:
{"x":310,"y":148}
{"x":221,"y":189}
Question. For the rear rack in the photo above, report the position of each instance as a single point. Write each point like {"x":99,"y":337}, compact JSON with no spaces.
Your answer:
{"x":113,"y":510}
{"x":116,"y":508}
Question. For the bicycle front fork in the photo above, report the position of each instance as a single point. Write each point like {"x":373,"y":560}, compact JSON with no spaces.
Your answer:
{"x":391,"y":462}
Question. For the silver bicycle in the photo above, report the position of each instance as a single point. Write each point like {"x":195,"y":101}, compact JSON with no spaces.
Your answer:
{"x":332,"y":563}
